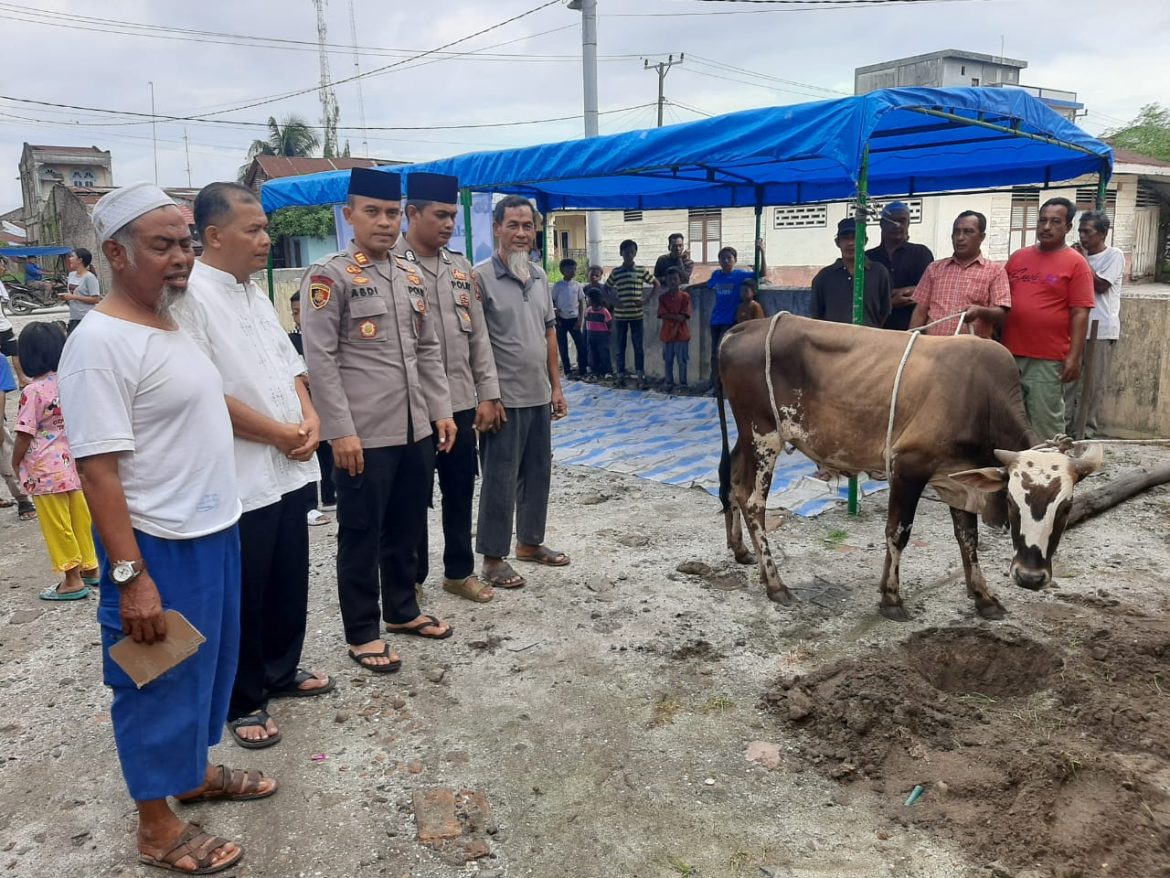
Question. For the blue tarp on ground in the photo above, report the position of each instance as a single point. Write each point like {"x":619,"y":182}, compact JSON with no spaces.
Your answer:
{"x":675,"y":440}
{"x":777,"y":155}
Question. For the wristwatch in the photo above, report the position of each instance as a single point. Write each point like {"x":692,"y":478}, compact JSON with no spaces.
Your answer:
{"x":125,"y":572}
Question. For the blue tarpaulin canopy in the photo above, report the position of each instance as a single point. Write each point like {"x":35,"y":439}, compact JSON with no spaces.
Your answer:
{"x":916,"y":141}
{"x":25,"y":252}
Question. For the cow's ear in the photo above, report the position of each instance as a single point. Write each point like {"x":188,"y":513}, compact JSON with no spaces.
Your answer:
{"x":1089,"y":462}
{"x":988,"y":478}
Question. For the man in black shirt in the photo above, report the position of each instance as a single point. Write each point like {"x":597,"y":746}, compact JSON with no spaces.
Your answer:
{"x":906,"y":262}
{"x":677,"y":256}
{"x":832,"y":288}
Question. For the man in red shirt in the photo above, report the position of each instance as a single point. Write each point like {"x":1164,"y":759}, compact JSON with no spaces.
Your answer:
{"x":966,"y":282}
{"x":1052,"y":292}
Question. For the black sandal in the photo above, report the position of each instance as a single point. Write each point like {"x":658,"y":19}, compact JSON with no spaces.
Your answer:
{"x":377,"y":669}
{"x":416,"y":630}
{"x":303,"y":676}
{"x":26,"y":510}
{"x":260,"y":718}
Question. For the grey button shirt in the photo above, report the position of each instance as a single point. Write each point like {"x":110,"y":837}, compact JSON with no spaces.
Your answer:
{"x":370,"y":345}
{"x":518,"y":316}
{"x":459,"y":322}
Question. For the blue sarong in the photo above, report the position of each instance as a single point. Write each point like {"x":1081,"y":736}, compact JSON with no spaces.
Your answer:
{"x":164,"y":729}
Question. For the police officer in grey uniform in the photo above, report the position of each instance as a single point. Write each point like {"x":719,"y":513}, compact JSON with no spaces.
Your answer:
{"x":431,"y":208}
{"x":378,"y":384}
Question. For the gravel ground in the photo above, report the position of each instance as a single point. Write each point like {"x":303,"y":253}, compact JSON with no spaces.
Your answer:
{"x":604,"y":711}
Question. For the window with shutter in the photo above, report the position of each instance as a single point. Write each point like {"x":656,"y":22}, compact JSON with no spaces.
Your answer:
{"x":705,"y":232}
{"x":1025,"y":212}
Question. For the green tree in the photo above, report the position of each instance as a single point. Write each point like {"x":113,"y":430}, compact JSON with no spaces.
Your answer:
{"x":302,"y":222}
{"x":1148,"y":134}
{"x":293,"y":137}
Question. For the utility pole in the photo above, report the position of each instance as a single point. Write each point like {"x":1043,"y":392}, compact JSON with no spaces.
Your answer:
{"x":187,"y":149}
{"x":589,"y":80}
{"x":663,"y":68}
{"x":153,"y":132}
{"x":357,"y":72}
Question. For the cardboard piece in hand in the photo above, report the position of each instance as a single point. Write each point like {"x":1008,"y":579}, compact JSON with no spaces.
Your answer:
{"x":144,"y":662}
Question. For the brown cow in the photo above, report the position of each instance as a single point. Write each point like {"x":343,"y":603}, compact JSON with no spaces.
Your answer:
{"x":959,"y":412}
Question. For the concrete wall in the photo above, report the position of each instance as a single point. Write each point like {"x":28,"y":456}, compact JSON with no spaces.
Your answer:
{"x":1137,"y":393}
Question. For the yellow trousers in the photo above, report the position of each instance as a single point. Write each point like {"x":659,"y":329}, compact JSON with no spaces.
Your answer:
{"x":67,"y":529}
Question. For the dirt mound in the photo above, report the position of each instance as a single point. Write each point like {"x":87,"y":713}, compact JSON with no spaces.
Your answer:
{"x":1049,"y":757}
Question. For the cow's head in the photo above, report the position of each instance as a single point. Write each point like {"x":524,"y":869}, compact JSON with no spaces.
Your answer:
{"x":1039,"y":486}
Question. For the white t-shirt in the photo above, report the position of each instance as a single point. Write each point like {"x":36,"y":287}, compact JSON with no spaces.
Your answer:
{"x":237,"y":327}
{"x":5,"y":323}
{"x":1110,"y":265}
{"x":155,"y":399}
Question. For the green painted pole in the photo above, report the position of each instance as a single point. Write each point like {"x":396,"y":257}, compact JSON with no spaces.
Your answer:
{"x":859,"y":282}
{"x":468,"y":249}
{"x":1102,"y":191}
{"x":755,"y":251}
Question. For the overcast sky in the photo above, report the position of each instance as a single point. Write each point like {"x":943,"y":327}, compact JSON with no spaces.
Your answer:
{"x":1113,"y":54}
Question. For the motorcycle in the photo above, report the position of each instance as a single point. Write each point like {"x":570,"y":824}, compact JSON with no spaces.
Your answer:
{"x":23,"y":298}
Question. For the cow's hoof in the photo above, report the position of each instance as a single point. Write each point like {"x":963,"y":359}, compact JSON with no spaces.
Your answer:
{"x":894,"y":612}
{"x":745,"y":558}
{"x":994,"y":612}
{"x":783,"y":597}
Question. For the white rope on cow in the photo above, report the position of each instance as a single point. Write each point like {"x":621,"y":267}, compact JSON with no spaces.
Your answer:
{"x":768,"y":370}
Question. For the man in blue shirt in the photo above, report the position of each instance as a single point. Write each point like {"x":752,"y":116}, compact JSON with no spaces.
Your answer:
{"x":727,"y":283}
{"x":34,"y":277}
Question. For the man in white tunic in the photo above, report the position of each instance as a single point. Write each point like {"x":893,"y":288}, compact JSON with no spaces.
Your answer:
{"x":276,"y":432}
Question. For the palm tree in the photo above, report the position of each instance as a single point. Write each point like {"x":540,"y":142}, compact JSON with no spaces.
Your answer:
{"x":293,"y":137}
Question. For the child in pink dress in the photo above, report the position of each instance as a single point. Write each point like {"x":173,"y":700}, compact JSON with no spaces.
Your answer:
{"x":45,"y":466}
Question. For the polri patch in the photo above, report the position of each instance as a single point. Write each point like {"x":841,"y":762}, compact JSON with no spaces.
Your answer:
{"x":320,"y":290}
{"x":368,"y":329}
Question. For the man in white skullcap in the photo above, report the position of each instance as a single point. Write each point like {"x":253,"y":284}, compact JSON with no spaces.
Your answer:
{"x":147,"y":423}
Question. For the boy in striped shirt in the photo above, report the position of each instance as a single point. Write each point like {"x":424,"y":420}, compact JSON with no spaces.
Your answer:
{"x":627,"y":284}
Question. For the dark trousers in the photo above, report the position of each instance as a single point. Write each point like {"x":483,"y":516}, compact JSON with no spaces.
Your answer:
{"x":274,"y":599}
{"x":632,"y":328}
{"x":566,"y":327}
{"x":516,"y":464}
{"x":72,"y":325}
{"x":328,"y":493}
{"x":457,"y":470}
{"x":599,"y":361}
{"x":717,"y":331}
{"x":381,"y":513}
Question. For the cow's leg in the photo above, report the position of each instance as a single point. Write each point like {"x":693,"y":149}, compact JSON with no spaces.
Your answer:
{"x":904,"y":496}
{"x":764,"y":450}
{"x":732,"y":512}
{"x":967,"y":533}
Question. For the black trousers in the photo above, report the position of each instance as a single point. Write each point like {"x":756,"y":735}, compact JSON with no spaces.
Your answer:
{"x":328,"y":493}
{"x":457,"y":471}
{"x":274,"y":599}
{"x":381,"y":514}
{"x":566,"y":328}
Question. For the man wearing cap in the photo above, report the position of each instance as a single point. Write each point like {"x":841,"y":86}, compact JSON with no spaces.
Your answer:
{"x":431,"y":208}
{"x":832,"y":288}
{"x":276,"y":429}
{"x":378,"y":385}
{"x":905,"y":261}
{"x":147,"y":423}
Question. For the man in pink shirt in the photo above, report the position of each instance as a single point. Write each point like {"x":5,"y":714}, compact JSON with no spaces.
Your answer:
{"x":966,"y":282}
{"x":1052,"y":292}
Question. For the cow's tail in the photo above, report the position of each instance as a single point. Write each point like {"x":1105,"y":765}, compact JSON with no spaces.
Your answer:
{"x":725,"y":454}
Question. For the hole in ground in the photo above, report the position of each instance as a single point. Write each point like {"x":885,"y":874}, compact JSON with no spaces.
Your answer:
{"x":962,"y":661}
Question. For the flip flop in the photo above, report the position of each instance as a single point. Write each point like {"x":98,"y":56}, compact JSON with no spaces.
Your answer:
{"x":295,"y":691}
{"x":377,"y":669}
{"x":471,"y":588}
{"x":416,"y":630}
{"x":546,"y":556}
{"x":260,"y":718}
{"x":25,"y":510}
{"x":503,"y":577}
{"x":52,"y":594}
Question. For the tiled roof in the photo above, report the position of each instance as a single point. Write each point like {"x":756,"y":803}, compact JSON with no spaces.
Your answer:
{"x":284,"y":166}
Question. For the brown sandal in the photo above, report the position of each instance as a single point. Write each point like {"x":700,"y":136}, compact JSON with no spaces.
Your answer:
{"x":200,"y":846}
{"x":503,"y":576}
{"x":546,"y":556}
{"x":470,"y":587}
{"x":234,"y":785}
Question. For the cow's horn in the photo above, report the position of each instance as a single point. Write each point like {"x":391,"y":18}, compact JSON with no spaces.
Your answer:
{"x":1089,"y":462}
{"x":1007,"y":458}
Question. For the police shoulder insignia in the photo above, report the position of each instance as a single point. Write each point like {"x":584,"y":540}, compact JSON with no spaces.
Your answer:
{"x":320,"y":290}
{"x":361,"y":259}
{"x":353,"y":269}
